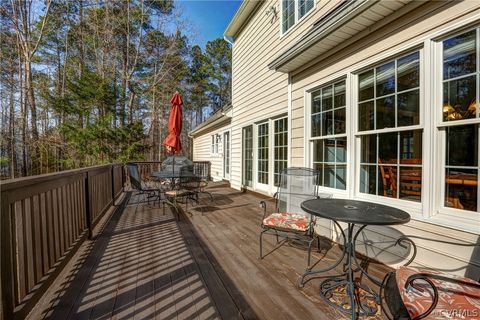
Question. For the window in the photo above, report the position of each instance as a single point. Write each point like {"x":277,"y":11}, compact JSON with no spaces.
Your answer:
{"x":280,"y":147}
{"x":328,"y":134}
{"x":247,"y":156}
{"x":389,"y":100}
{"x":215,"y":141}
{"x":226,"y":153}
{"x":460,"y":86}
{"x":293,"y":11}
{"x":263,"y":153}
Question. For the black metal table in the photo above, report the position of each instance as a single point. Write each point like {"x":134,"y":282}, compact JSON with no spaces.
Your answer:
{"x":352,"y":212}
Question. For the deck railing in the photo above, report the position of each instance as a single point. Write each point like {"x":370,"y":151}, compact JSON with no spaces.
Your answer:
{"x":43,"y":221}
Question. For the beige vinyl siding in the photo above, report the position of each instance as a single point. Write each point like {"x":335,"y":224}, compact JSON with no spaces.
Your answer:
{"x":202,"y":149}
{"x":402,"y":34}
{"x":257,"y":91}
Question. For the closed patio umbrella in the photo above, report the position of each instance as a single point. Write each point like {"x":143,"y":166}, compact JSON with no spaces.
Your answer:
{"x":172,"y":141}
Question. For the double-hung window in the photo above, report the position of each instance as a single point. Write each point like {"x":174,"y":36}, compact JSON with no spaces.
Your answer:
{"x":460,"y":120}
{"x":293,"y":11}
{"x":214,"y":146}
{"x":388,"y":127}
{"x":328,"y":135}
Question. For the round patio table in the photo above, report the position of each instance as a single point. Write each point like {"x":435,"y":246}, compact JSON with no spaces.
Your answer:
{"x":352,"y":212}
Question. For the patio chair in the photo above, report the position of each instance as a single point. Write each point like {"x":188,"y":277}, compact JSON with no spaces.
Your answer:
{"x":186,"y":189}
{"x":202,"y":169}
{"x":147,"y":190}
{"x":289,"y":220}
{"x":418,"y":293}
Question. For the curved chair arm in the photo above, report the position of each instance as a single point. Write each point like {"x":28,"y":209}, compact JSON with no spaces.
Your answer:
{"x":427,"y":278}
{"x":263,"y":205}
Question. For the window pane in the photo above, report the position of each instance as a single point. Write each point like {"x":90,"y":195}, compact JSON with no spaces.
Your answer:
{"x":288,"y":17}
{"x":461,"y":188}
{"x":327,"y":123}
{"x":386,"y":112}
{"x":387,"y":147}
{"x":304,"y":6}
{"x":329,"y":150}
{"x":366,"y":116}
{"x":318,"y":151}
{"x":316,"y":125}
{"x":385,"y":79}
{"x":339,"y":118}
{"x":365,"y":87}
{"x":367,"y":179}
{"x":408,"y":106}
{"x":327,"y":101}
{"x":459,"y":99}
{"x":329,"y":176}
{"x":459,"y":55}
{"x":387,"y":181}
{"x":339,"y":94}
{"x":462,"y":146}
{"x":316,"y":103}
{"x":341,"y":150}
{"x":341,"y":177}
{"x":411,"y":183}
{"x":369,"y":149}
{"x":408,"y":72}
{"x":411,"y":147}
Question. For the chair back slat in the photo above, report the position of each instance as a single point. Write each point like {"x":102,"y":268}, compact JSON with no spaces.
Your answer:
{"x":202,"y":169}
{"x":134,"y":176}
{"x":296,"y":185}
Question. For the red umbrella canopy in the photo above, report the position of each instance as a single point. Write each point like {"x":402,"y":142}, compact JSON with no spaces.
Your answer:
{"x":172,"y":141}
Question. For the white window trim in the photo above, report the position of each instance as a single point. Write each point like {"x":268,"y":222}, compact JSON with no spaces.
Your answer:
{"x":214,"y":147}
{"x":308,"y":146}
{"x":297,"y":21}
{"x":416,"y":209}
{"x":441,"y":214}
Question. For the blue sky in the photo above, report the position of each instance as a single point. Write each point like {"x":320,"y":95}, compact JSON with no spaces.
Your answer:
{"x":209,"y":18}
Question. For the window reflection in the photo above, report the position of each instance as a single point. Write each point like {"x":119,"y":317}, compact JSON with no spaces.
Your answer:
{"x":394,"y":168}
{"x":329,"y":158}
{"x":461,"y":171}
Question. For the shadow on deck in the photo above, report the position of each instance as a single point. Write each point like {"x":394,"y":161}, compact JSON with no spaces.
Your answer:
{"x":145,"y":265}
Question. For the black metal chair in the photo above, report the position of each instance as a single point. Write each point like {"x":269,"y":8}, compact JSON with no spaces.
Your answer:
{"x":186,"y":189}
{"x":418,"y":293}
{"x":289,"y":220}
{"x":202,"y":169}
{"x":147,"y":190}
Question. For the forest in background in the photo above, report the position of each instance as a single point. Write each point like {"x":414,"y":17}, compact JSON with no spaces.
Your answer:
{"x":85,"y":82}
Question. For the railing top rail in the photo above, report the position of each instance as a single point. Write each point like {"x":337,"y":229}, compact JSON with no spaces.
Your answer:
{"x":10,"y":184}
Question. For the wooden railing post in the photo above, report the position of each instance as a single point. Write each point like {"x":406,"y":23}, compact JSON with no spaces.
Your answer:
{"x":88,"y":206}
{"x":112,"y":183}
{"x":7,"y":275}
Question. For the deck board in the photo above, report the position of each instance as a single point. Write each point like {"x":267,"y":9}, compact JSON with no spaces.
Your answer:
{"x":146,"y":265}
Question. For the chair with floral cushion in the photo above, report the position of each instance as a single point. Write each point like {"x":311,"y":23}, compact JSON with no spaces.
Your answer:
{"x":420,"y":293}
{"x":289,"y":220}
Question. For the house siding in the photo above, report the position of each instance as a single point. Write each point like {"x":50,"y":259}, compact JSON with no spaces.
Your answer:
{"x":258,"y":92}
{"x":202,"y":149}
{"x":409,"y":31}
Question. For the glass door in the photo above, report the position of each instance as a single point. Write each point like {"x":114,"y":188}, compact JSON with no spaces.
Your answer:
{"x":226,"y":155}
{"x":247,"y":139}
{"x":263,"y":157}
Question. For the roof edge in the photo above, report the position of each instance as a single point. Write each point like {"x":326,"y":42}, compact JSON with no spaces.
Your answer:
{"x":339,"y":16}
{"x":221,"y":114}
{"x":241,"y":16}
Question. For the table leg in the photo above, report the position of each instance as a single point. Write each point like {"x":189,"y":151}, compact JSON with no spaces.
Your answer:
{"x":309,"y":271}
{"x":356,"y":308}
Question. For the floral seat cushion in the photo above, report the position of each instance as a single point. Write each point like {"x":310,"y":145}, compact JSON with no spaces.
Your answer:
{"x":287,"y":221}
{"x":455,"y":300}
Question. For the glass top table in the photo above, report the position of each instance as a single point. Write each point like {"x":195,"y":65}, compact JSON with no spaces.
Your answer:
{"x":351,"y":212}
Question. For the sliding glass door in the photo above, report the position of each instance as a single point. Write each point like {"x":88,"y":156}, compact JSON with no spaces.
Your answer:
{"x":247,"y":140}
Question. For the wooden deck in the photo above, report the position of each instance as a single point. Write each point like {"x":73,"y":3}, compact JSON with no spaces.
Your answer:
{"x":145,"y":265}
